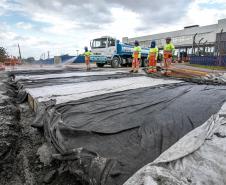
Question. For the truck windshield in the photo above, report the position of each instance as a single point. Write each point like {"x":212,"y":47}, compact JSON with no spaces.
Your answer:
{"x":99,"y":43}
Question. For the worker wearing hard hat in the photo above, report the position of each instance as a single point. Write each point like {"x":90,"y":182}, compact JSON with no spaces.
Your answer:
{"x":87,"y":58}
{"x":168,"y":55}
{"x":152,"y":57}
{"x":136,"y":57}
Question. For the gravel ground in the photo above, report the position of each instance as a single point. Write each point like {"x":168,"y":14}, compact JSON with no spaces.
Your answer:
{"x":24,"y":158}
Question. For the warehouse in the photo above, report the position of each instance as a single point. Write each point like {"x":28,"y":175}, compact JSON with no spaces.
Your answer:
{"x":205,"y":39}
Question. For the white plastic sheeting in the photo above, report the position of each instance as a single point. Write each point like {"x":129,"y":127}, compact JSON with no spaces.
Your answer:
{"x":66,"y":75}
{"x":197,"y":158}
{"x":32,"y":67}
{"x":69,"y":92}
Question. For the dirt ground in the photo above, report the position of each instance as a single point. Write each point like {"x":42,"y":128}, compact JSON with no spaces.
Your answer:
{"x":23,"y":155}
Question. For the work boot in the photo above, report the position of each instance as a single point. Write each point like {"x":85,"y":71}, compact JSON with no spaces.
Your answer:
{"x":149,"y":71}
{"x":168,"y":73}
{"x":136,"y":71}
{"x":163,"y":72}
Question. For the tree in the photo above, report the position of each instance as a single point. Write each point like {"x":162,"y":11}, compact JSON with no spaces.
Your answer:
{"x":29,"y":60}
{"x":3,"y":55}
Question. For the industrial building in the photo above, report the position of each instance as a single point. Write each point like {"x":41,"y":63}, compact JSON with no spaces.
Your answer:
{"x":191,"y":39}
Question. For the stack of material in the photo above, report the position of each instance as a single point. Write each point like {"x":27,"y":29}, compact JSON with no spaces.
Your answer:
{"x":187,"y":73}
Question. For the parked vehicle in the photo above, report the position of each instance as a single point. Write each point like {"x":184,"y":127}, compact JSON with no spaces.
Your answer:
{"x":110,"y":51}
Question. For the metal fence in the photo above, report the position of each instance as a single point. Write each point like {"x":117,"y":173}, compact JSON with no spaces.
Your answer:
{"x":208,"y":60}
{"x":46,"y":61}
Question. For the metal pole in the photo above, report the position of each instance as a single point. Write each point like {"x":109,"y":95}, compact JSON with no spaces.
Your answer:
{"x":193,"y":44}
{"x":204,"y":47}
{"x":220,"y":52}
{"x":199,"y":46}
{"x":19,"y":52}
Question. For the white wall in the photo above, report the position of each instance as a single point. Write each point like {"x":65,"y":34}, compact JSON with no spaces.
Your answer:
{"x":183,"y":37}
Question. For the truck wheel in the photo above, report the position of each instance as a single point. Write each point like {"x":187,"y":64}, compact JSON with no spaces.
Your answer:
{"x":99,"y":65}
{"x":115,"y":63}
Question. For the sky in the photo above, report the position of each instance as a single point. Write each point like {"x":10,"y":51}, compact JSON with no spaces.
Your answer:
{"x":65,"y":26}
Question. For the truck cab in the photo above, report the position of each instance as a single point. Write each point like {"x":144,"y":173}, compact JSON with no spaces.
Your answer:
{"x":103,"y":49}
{"x":110,"y":51}
{"x":103,"y":46}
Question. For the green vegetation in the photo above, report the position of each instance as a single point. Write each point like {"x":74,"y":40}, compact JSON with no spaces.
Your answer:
{"x":3,"y":55}
{"x":208,"y":67}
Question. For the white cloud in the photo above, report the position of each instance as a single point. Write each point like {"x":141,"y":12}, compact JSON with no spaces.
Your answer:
{"x":24,"y":25}
{"x":7,"y":6}
{"x":30,"y":45}
{"x":57,"y":25}
{"x":3,"y":7}
{"x":69,"y":25}
{"x":202,"y":15}
{"x":196,"y":14}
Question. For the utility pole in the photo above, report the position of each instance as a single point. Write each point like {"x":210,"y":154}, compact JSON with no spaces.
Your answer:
{"x":48,"y":54}
{"x":77,"y":51}
{"x":19,"y":52}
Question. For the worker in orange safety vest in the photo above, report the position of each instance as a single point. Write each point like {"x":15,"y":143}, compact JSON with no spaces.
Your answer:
{"x":168,"y":55}
{"x":136,"y":57}
{"x":87,"y":58}
{"x":152,"y":57}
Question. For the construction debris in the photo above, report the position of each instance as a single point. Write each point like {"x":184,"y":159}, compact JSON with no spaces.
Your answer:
{"x":191,"y":75}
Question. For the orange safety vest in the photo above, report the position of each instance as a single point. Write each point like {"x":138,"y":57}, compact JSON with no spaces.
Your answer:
{"x":167,"y":54}
{"x":87,"y":58}
{"x":136,"y":54}
{"x":152,"y":55}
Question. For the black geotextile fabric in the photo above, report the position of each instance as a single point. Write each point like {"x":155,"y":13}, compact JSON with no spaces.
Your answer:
{"x":105,"y":139}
